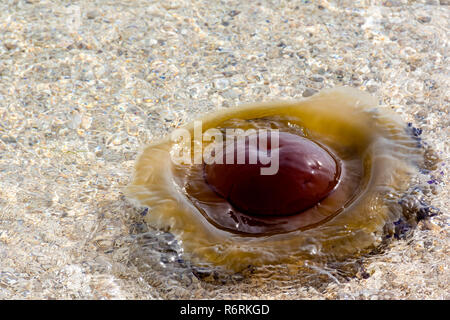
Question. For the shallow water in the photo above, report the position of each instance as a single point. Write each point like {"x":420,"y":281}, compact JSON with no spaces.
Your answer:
{"x":79,"y":97}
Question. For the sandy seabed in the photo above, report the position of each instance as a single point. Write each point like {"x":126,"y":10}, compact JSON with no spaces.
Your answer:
{"x":85,"y":84}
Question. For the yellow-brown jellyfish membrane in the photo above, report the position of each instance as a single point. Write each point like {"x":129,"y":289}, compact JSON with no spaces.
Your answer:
{"x":375,"y":159}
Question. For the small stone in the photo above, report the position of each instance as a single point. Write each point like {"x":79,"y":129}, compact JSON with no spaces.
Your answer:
{"x":201,"y":272}
{"x":75,"y":121}
{"x":372,"y":88}
{"x":429,"y":225}
{"x":424,"y":19}
{"x":8,"y":139}
{"x":91,"y":14}
{"x":233,"y":13}
{"x":392,"y":3}
{"x":10,"y":46}
{"x":230,"y":94}
{"x":221,"y":84}
{"x":98,"y":151}
{"x":309,"y":92}
{"x":317,"y":78}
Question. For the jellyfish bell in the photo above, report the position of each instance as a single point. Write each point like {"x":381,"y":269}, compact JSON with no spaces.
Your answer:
{"x":302,"y":174}
{"x":343,"y":162}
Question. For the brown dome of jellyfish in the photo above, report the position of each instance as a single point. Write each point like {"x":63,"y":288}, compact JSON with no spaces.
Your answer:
{"x":343,"y":167}
{"x":303,"y":175}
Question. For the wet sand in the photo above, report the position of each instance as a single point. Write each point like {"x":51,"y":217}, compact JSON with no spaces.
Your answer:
{"x":83,"y":87}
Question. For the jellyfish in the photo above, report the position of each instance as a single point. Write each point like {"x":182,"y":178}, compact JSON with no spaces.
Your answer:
{"x":280,"y":182}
